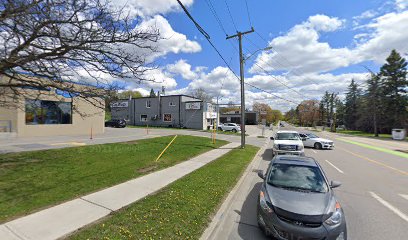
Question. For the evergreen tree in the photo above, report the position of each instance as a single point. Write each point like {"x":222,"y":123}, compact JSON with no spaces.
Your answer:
{"x":374,"y":106}
{"x":394,"y":80}
{"x":352,"y":106}
{"x":152,"y":93}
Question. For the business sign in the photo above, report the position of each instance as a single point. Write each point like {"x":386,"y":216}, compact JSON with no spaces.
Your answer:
{"x":211,"y":115}
{"x":119,"y":104}
{"x":193,"y":105}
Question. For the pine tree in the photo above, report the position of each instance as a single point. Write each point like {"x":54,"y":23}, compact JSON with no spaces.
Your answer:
{"x":374,"y":101}
{"x":152,"y":93}
{"x":352,"y":106}
{"x":394,"y":80}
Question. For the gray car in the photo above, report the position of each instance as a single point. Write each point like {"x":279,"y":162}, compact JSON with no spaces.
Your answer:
{"x":297,"y":202}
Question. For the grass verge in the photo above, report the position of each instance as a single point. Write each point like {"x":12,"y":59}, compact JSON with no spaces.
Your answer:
{"x":180,"y":211}
{"x":365,"y":134}
{"x":396,"y":153}
{"x":33,"y":180}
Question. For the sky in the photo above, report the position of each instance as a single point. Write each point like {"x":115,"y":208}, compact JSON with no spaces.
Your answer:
{"x":317,"y":46}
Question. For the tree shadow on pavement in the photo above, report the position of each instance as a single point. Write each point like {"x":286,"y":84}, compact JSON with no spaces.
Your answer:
{"x":248,"y":227}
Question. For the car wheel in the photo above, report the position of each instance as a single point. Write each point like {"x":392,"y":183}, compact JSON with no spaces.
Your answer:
{"x":318,"y":145}
{"x":234,"y":130}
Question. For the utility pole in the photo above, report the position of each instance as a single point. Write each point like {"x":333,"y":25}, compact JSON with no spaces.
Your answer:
{"x":241,"y":68}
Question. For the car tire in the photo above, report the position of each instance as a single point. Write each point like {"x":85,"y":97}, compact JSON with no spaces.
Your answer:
{"x":318,"y":145}
{"x":234,"y":130}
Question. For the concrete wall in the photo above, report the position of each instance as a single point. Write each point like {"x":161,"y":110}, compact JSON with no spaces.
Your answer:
{"x":85,"y":115}
{"x":193,"y":118}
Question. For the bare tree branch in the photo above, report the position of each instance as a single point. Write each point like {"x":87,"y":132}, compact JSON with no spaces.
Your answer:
{"x":78,"y":41}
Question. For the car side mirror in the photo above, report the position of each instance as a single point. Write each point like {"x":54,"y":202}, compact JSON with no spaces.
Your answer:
{"x":334,"y":184}
{"x":261,"y":174}
{"x":304,"y":139}
{"x":272,"y":138}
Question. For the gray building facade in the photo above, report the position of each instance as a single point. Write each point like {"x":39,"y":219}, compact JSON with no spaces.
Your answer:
{"x":179,"y":111}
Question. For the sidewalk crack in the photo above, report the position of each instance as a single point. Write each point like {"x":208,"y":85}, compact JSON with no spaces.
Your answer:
{"x":96,"y":204}
{"x":14,"y":233}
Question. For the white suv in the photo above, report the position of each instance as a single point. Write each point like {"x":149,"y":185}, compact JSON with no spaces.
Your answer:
{"x":287,"y":142}
{"x":229,"y":127}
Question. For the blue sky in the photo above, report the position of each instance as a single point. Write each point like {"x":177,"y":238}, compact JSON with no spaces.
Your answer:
{"x":318,"y":45}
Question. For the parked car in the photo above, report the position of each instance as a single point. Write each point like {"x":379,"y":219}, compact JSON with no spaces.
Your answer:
{"x":296,"y":201}
{"x":287,"y":142}
{"x":312,"y":140}
{"x":117,"y":123}
{"x":229,"y":127}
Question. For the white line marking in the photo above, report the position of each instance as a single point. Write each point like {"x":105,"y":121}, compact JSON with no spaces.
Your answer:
{"x":338,"y":169}
{"x":314,"y":151}
{"x":389,"y":206}
{"x":404,"y":196}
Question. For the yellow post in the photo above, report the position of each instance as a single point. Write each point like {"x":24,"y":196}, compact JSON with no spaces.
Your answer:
{"x":166,"y":148}
{"x":215,"y":132}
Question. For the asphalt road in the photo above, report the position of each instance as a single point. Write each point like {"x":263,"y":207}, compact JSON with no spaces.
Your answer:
{"x":374,"y":194}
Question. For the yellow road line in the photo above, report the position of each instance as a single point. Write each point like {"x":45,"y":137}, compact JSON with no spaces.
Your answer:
{"x":374,"y":161}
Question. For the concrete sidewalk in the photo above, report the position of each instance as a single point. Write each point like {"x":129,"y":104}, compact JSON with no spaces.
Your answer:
{"x":61,"y":220}
{"x":234,"y":219}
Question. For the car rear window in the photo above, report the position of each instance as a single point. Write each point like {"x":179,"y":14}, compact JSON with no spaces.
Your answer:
{"x":297,"y":177}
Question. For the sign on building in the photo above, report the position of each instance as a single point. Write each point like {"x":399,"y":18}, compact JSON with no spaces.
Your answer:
{"x":193,"y":105}
{"x":119,"y":104}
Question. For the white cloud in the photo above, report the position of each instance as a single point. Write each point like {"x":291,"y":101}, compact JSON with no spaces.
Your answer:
{"x":366,"y":15}
{"x":148,"y":8}
{"x":302,"y":49}
{"x":170,"y":41}
{"x":324,"y":23}
{"x":182,"y":68}
{"x":388,"y":32}
{"x":401,"y":4}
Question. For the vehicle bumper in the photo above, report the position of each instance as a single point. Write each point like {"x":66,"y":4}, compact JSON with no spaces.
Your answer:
{"x":327,"y":146}
{"x":283,"y":230}
{"x":285,"y":152}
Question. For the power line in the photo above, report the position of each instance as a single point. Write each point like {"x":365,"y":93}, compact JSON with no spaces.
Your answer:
{"x":249,"y":16}
{"x":232,"y":19}
{"x":223,"y":59}
{"x":214,"y":12}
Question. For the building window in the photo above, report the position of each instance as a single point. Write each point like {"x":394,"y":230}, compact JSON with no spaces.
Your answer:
{"x":172,"y":104}
{"x":143,"y":118}
{"x":47,"y":112}
{"x":167,"y":117}
{"x":148,"y":103}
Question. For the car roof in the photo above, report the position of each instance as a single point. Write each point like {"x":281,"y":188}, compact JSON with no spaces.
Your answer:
{"x":295,"y":160}
{"x":286,"y":131}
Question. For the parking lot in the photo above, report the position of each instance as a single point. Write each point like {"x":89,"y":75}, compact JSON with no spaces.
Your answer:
{"x":374,"y":193}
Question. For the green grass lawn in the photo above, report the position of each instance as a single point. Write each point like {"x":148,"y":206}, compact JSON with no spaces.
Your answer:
{"x":365,"y":134}
{"x":33,"y":180}
{"x":180,"y":211}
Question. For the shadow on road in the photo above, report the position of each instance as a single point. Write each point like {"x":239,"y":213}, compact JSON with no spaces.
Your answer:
{"x":248,"y":226}
{"x":267,"y":155}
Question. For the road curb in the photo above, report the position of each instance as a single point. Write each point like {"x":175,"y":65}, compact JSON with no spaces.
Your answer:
{"x":219,"y":216}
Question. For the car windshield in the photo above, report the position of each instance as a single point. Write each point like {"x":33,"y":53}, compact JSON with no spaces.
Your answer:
{"x":310,"y":135}
{"x":296,"y":177}
{"x":287,"y":136}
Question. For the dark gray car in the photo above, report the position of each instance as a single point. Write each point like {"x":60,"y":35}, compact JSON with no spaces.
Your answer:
{"x":297,"y":202}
